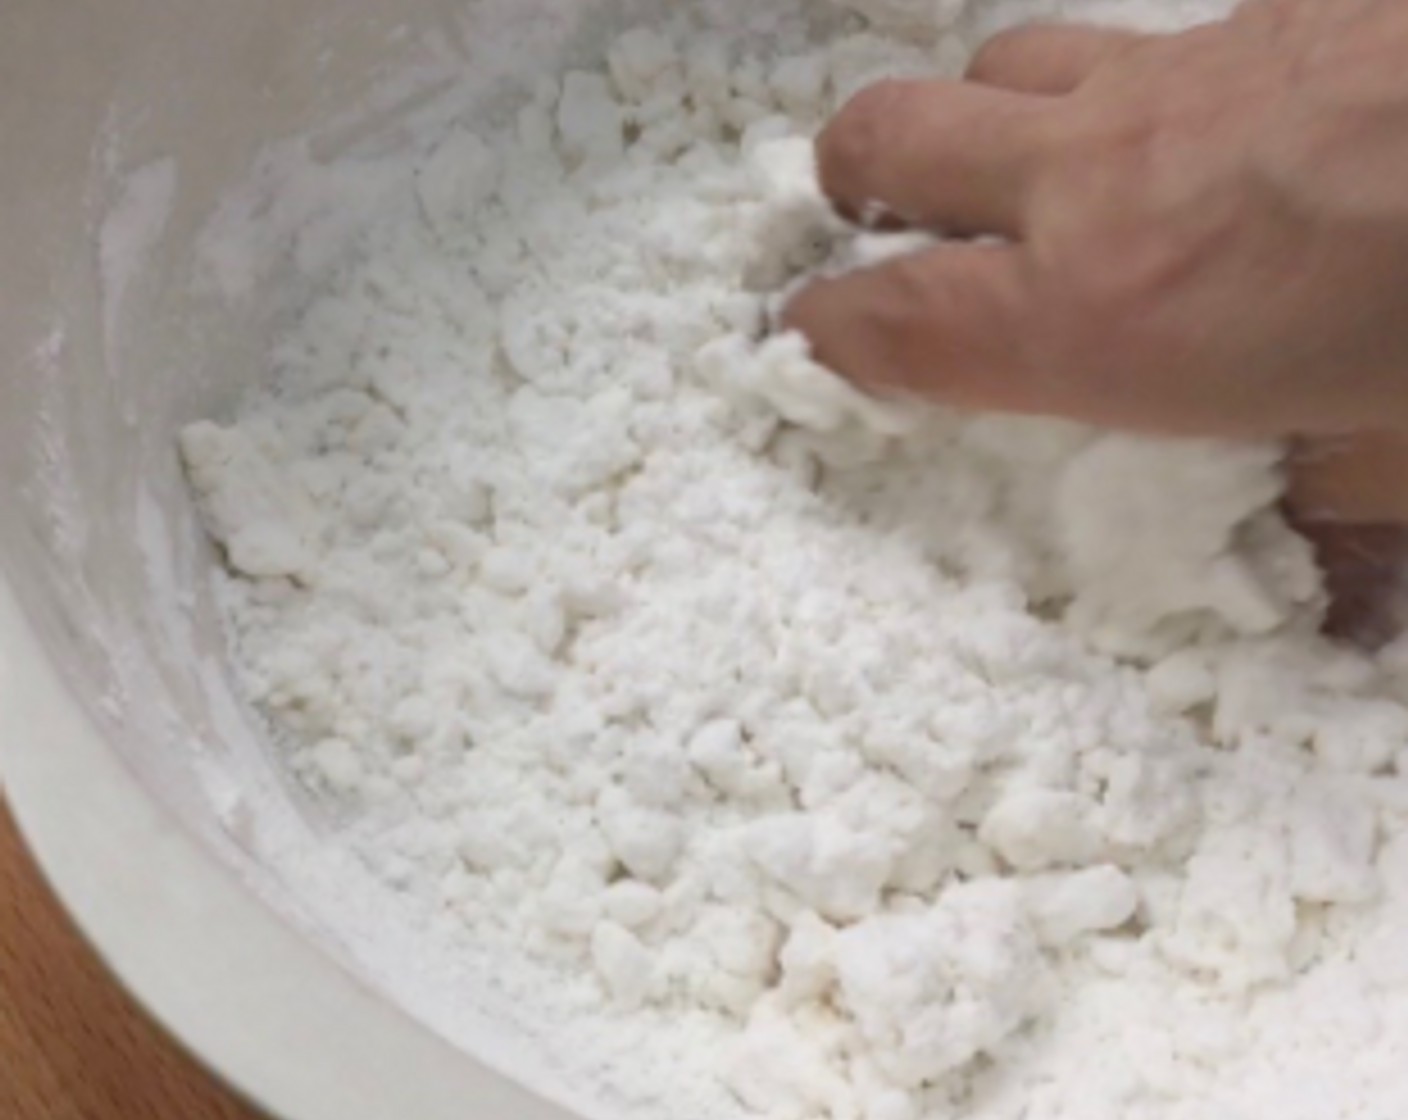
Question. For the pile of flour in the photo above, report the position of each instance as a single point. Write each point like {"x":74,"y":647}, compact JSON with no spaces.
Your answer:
{"x":892,"y":763}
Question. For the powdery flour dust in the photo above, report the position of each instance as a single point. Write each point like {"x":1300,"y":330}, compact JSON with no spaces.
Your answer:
{"x":885,"y":763}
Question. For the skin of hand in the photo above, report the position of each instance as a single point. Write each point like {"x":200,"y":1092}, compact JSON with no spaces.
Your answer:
{"x":1203,"y":233}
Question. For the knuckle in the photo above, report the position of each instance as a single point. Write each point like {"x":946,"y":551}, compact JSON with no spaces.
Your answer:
{"x":1078,"y":316}
{"x":918,"y":294}
{"x":892,"y":326}
{"x":1101,"y":150}
{"x":1057,"y":336}
{"x":936,"y":313}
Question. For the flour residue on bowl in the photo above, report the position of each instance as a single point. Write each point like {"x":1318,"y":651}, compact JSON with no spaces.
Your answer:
{"x":779,"y":759}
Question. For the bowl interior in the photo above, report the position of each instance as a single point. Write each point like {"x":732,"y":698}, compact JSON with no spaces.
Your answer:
{"x":179,"y":174}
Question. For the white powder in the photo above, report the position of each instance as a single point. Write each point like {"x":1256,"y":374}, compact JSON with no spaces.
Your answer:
{"x":864,"y":760}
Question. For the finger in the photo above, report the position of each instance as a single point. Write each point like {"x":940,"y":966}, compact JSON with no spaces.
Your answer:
{"x":1364,"y":568}
{"x":1358,"y":479}
{"x":1046,"y":58}
{"x":1349,"y":497}
{"x":952,"y":155}
{"x":942,"y":324}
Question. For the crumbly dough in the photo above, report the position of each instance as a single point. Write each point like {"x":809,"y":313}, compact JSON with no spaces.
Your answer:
{"x":877,"y":762}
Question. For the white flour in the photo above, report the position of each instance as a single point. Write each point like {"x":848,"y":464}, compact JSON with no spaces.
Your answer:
{"x":863,"y":761}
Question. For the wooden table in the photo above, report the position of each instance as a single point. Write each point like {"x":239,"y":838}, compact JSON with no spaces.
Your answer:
{"x":72,"y":1045}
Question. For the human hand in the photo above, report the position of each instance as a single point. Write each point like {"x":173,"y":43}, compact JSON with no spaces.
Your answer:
{"x":1203,"y":233}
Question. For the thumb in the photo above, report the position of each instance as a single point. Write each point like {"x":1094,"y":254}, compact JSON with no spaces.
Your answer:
{"x":943,"y":324}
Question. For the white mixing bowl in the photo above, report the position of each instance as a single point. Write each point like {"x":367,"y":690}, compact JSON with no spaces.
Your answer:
{"x":132,"y":769}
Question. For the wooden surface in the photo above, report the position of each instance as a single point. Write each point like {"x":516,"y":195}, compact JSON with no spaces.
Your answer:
{"x":72,"y":1046}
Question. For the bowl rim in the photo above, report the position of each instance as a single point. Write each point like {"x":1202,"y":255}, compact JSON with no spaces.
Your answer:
{"x":262,"y":1008}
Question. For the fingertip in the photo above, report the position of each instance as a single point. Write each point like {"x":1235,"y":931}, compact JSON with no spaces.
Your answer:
{"x":850,"y":143}
{"x":936,"y":153}
{"x":942,"y":324}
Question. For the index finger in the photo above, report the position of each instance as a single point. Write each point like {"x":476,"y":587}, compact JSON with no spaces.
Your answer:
{"x":952,"y":155}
